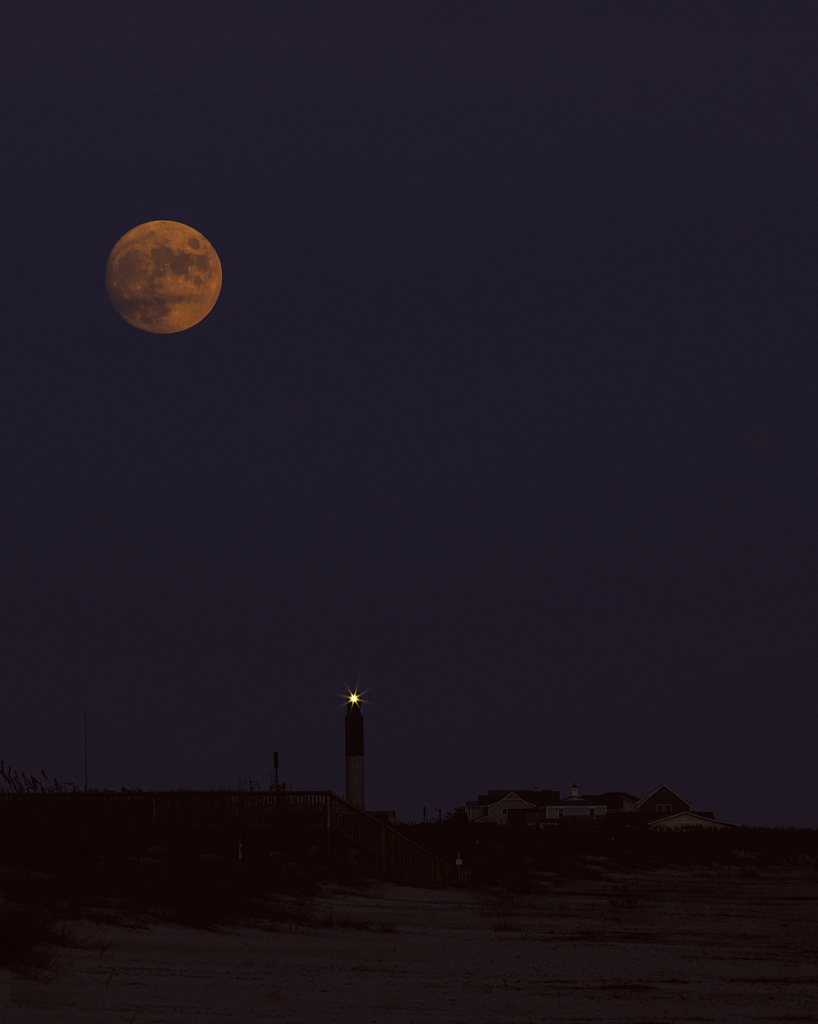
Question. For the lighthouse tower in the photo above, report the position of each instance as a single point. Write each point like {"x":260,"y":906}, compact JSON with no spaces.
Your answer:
{"x":354,"y":744}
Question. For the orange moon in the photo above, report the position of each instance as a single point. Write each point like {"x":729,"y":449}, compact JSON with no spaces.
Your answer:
{"x":163,"y":277}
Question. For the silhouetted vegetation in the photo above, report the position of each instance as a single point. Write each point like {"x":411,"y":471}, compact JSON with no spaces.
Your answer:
{"x":18,"y":782}
{"x":58,"y":863}
{"x":515,"y":858}
{"x":28,"y":937}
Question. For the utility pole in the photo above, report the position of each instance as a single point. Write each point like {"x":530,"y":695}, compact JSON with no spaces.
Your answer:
{"x":86,"y":751}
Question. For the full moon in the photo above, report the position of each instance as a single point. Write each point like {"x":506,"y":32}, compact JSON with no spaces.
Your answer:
{"x":163,"y":277}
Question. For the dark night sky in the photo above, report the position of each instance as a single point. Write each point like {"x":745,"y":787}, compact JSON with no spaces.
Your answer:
{"x":508,"y":401}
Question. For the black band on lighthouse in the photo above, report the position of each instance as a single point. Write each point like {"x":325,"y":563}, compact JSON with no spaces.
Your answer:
{"x":354,"y":735}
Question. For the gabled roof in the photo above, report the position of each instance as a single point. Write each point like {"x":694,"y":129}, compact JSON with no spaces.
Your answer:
{"x":705,"y":819}
{"x":488,"y":803}
{"x":535,"y":797}
{"x":497,"y":796}
{"x":609,"y":797}
{"x":577,"y":801}
{"x":513,"y":794}
{"x":653,"y":792}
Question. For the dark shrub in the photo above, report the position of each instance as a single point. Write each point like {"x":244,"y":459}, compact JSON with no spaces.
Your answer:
{"x":27,"y":936}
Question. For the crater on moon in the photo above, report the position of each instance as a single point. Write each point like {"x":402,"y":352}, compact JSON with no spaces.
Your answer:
{"x":163,"y":277}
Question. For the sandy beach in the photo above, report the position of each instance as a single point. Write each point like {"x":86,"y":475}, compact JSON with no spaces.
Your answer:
{"x":698,"y":945}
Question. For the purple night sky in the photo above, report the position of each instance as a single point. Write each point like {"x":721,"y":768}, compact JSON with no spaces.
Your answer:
{"x":507,"y":407}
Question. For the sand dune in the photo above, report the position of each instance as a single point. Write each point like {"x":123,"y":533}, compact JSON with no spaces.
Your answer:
{"x":704,"y":946}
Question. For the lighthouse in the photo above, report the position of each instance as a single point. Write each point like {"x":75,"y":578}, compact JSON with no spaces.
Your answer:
{"x":354,"y":745}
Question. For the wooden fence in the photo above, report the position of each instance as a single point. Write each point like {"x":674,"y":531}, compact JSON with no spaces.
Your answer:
{"x":319,"y":809}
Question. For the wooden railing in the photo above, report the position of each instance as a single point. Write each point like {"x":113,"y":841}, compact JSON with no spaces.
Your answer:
{"x":393,"y":849}
{"x":224,"y":809}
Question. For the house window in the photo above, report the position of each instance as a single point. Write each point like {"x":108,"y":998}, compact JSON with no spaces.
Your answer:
{"x":560,"y":812}
{"x":505,"y":810}
{"x":592,"y":812}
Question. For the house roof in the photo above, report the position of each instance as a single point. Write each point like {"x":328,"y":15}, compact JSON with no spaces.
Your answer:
{"x":488,"y":803}
{"x":704,"y":818}
{"x":653,"y":792}
{"x":610,"y":798}
{"x":577,"y":801}
{"x":535,"y":797}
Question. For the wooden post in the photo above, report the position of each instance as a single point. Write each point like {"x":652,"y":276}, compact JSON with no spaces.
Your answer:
{"x":241,"y":831}
{"x":329,"y":826}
